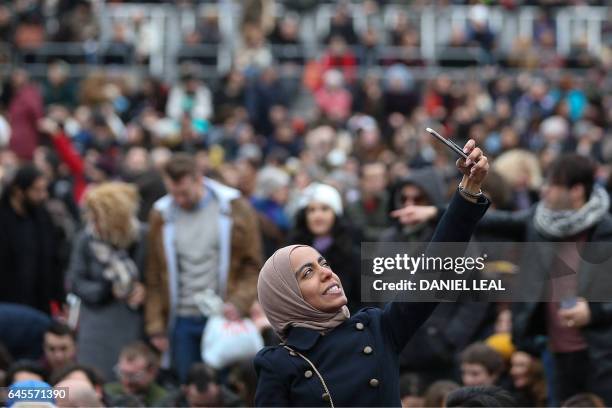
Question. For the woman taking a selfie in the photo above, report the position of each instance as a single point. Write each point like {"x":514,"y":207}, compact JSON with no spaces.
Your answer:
{"x":327,"y":356}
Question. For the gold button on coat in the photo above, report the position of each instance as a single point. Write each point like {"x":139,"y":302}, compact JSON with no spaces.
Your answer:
{"x":325,"y":397}
{"x":308,"y":374}
{"x":359,"y":326}
{"x":367,"y":350}
{"x":374,"y":382}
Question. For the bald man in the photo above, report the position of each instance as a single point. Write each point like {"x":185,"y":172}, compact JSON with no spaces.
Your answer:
{"x":79,"y":393}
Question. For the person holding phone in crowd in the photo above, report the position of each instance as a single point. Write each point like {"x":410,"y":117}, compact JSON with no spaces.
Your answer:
{"x":328,"y":356}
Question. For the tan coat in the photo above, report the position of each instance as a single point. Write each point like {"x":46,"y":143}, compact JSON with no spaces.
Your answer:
{"x":245,"y":263}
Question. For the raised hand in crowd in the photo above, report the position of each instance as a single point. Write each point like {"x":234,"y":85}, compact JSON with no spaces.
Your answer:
{"x":474,"y":168}
{"x":48,"y":126}
{"x":415,"y":214}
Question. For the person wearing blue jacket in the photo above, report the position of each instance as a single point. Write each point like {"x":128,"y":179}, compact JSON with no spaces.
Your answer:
{"x":327,"y":357}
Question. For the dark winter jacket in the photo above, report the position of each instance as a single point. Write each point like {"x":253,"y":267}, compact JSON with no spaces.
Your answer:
{"x":359,"y":358}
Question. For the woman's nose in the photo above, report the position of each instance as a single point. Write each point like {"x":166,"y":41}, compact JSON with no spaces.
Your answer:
{"x":326,"y":273}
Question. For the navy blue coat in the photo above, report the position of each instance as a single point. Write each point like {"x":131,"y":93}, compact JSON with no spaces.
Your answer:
{"x":359,"y":359}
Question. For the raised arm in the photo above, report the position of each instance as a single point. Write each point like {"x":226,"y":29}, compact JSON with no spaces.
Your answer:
{"x":466,"y":208}
{"x":67,"y":153}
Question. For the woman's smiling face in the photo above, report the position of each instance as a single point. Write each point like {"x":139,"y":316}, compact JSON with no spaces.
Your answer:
{"x":320,"y":219}
{"x":319,"y":285}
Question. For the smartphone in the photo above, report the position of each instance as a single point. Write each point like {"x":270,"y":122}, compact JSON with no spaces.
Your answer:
{"x":568,"y":303}
{"x":452,"y":145}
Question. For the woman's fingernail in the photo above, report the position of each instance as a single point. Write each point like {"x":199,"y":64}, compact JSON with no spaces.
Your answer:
{"x":468,"y":162}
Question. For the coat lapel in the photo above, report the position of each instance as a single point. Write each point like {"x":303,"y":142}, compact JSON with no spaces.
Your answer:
{"x":302,"y":338}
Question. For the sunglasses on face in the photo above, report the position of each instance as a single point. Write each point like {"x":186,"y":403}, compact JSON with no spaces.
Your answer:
{"x":413,"y":198}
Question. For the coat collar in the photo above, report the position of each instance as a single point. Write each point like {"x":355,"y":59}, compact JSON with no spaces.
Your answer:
{"x":302,"y":338}
{"x":222,"y":193}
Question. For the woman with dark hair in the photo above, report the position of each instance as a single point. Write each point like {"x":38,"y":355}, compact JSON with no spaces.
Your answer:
{"x":490,"y":396}
{"x":320,"y":223}
{"x":528,"y":381}
{"x":328,"y":356}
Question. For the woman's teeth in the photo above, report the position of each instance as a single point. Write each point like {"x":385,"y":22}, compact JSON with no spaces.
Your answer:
{"x":332,"y":290}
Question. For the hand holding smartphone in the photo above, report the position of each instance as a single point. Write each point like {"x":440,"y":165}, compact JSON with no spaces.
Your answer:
{"x":473,"y":164}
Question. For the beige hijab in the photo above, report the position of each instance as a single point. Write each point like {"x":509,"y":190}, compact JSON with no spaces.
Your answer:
{"x":282,"y":301}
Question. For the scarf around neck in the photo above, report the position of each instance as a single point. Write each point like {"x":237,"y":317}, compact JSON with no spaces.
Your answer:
{"x":118,"y":266}
{"x":561,"y":224}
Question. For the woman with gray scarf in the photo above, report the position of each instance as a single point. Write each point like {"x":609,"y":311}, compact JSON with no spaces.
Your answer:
{"x":106,"y":274}
{"x":328,"y":356}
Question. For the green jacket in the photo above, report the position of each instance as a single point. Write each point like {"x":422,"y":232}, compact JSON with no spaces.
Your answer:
{"x":154,"y":394}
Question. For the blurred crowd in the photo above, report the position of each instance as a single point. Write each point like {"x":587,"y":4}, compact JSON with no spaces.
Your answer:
{"x":361,"y":33}
{"x":136,"y":210}
{"x":29,"y":23}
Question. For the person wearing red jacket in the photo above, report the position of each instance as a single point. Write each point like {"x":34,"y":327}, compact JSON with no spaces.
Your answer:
{"x":339,"y":56}
{"x":67,"y":153}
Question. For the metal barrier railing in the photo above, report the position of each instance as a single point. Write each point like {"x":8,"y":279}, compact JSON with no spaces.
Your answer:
{"x":163,"y":26}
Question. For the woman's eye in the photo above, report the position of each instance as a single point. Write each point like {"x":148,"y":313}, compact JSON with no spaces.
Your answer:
{"x":307,"y":273}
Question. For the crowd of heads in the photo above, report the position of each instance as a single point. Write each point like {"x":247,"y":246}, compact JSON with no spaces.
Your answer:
{"x":137,"y":369}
